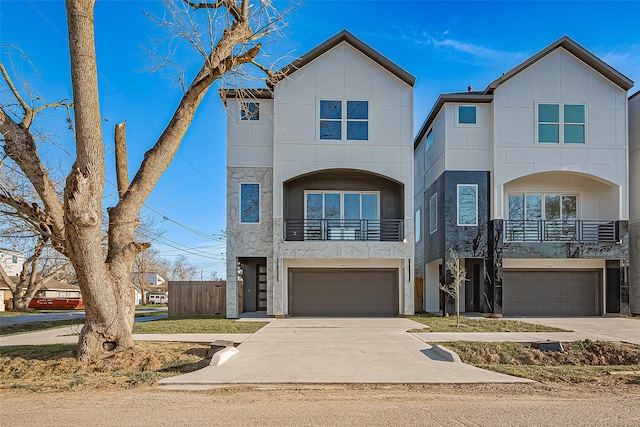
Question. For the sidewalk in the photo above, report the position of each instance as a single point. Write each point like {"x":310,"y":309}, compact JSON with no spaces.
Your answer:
{"x":69,"y":335}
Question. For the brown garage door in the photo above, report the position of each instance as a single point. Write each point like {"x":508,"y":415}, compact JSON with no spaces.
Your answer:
{"x":551,"y":293}
{"x":343,"y":292}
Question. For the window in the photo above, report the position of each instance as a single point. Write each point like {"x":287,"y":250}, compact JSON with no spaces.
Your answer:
{"x":536,"y":207}
{"x":418,"y":225}
{"x":249,"y":203}
{"x":466,"y":115}
{"x":433,"y":214}
{"x":429,"y":139}
{"x":561,"y":125}
{"x":14,"y":259}
{"x":342,"y":205}
{"x":334,"y":123}
{"x":249,"y":111}
{"x":467,"y":204}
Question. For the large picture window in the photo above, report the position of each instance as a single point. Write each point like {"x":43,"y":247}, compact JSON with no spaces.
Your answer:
{"x":249,"y":203}
{"x":548,"y":207}
{"x":342,"y":205}
{"x":467,"y":204}
{"x":561,"y":123}
{"x":340,"y":119}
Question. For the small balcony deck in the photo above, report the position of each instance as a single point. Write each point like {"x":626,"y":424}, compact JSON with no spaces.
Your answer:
{"x":377,"y":230}
{"x":561,"y":231}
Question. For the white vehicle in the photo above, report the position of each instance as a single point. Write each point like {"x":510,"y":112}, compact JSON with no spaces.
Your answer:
{"x":158,"y":299}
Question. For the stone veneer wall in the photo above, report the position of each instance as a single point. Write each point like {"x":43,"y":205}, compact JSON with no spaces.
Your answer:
{"x":248,"y":240}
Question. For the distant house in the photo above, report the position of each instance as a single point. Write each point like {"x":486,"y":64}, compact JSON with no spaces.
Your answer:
{"x":52,"y":289}
{"x":320,"y":188}
{"x":528,"y":181}
{"x":634,"y":202}
{"x":11,"y":261}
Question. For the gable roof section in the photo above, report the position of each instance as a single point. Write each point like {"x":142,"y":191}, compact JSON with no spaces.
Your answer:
{"x":346,"y":36}
{"x":579,"y":52}
{"x":470,"y":97}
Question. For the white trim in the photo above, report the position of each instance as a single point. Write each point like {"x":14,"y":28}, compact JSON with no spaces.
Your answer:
{"x":475,"y":224}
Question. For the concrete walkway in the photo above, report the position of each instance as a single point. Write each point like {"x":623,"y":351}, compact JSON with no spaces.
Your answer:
{"x":69,"y":335}
{"x":336,"y":351}
{"x":617,"y":329}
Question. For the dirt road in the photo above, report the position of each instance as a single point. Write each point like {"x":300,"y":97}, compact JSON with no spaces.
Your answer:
{"x":371,"y":405}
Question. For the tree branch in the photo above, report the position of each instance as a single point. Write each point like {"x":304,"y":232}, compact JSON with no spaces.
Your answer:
{"x":122,"y":172}
{"x":227,"y":4}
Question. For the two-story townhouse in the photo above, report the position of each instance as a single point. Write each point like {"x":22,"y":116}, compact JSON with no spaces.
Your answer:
{"x":528,"y":182}
{"x":634,"y":202}
{"x":11,"y":261}
{"x":320,"y":187}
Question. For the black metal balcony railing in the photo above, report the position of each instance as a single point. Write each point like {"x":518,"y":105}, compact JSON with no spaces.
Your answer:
{"x":381,"y":230}
{"x":561,"y":231}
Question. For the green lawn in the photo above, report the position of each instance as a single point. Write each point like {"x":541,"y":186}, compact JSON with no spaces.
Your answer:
{"x":197,"y":325}
{"x":448,"y":324}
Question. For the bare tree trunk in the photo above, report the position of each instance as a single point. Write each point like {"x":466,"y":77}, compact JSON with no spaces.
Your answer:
{"x":107,"y":292}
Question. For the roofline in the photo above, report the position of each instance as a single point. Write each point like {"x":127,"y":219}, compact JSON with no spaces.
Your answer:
{"x":244,"y":94}
{"x":344,"y":36}
{"x":471,"y":97}
{"x":634,"y":95}
{"x":579,"y":52}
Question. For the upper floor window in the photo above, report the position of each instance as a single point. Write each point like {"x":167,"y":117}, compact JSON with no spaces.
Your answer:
{"x":14,"y":259}
{"x":249,"y":111}
{"x":433,"y":214}
{"x":340,"y":119}
{"x":429,"y":139}
{"x":249,"y":203}
{"x":561,"y":123}
{"x":342,"y":205}
{"x":467,"y":204}
{"x":418,"y":225}
{"x":466,"y":114}
{"x":548,"y":207}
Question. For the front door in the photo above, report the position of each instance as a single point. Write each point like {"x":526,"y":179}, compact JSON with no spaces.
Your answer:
{"x":261,"y":295}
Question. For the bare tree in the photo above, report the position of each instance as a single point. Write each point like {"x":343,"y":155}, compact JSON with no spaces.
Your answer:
{"x":229,"y":39}
{"x":31,"y":278}
{"x":458,"y":277}
{"x":182,"y":270}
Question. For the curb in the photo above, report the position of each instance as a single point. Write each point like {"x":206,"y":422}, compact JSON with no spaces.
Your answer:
{"x":223,"y":356}
{"x":446,"y":354}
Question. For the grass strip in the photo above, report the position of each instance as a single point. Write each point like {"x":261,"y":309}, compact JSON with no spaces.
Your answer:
{"x":448,"y":324}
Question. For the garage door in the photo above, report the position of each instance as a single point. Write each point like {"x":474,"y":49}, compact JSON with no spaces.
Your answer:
{"x":555,"y":293}
{"x":343,"y":292}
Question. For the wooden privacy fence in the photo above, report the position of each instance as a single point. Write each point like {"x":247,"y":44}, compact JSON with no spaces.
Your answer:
{"x":194,"y":298}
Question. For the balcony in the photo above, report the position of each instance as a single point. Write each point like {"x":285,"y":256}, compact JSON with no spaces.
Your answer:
{"x":561,"y":231}
{"x":376,"y":230}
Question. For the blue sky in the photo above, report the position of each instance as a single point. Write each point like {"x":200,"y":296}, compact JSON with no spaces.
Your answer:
{"x":446,"y":45}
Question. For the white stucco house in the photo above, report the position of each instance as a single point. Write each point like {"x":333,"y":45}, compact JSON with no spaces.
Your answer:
{"x":634,"y":196}
{"x":320,"y":188}
{"x":528,"y":181}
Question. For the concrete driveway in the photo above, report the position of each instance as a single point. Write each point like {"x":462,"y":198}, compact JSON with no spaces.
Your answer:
{"x":330,"y":350}
{"x":623,"y":329}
